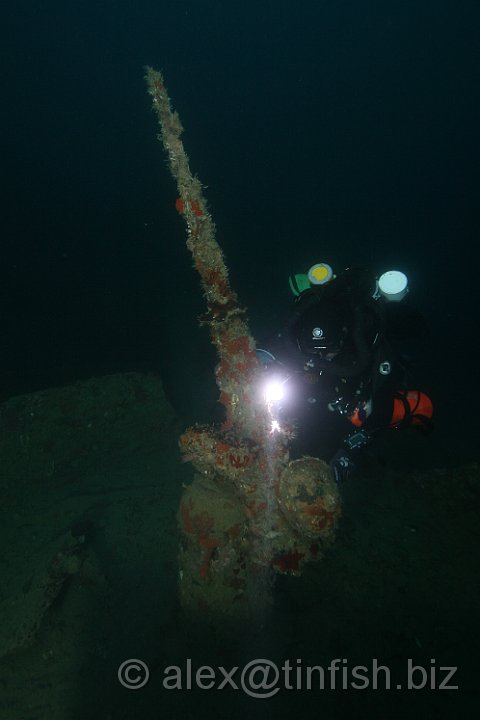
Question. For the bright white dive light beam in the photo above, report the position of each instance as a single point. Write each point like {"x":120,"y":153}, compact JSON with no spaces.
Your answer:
{"x":275,"y":427}
{"x":274,"y":392}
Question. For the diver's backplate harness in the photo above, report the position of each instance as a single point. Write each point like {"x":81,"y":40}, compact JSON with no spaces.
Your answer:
{"x":360,"y":364}
{"x":370,"y":363}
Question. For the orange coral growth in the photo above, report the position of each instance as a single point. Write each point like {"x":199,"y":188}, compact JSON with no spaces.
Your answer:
{"x":196,"y":209}
{"x":240,"y":344}
{"x":207,"y":556}
{"x":209,"y":542}
{"x":221,"y":453}
{"x":244,"y":367}
{"x":194,"y":205}
{"x":238,"y":462}
{"x":190,"y":441}
{"x":215,"y":279}
{"x":239,"y":367}
{"x":252,"y":509}
{"x":288,"y":562}
{"x":225,"y":398}
{"x":321,"y":518}
{"x":209,"y":545}
{"x":199,"y":527}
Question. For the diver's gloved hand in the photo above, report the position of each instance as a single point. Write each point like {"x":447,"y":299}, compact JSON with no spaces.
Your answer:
{"x":342,"y":465}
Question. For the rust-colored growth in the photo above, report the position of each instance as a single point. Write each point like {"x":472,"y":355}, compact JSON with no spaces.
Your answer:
{"x":231,"y":527}
{"x":194,"y":205}
{"x":209,"y":546}
{"x":288,"y":563}
{"x":199,"y":528}
{"x":309,"y":498}
{"x":196,"y":209}
{"x":229,"y":331}
{"x":208,"y":451}
{"x":213,"y":529}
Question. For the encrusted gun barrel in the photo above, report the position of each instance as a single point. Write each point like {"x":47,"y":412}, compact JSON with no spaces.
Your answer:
{"x":226,"y":319}
{"x":249,"y":512}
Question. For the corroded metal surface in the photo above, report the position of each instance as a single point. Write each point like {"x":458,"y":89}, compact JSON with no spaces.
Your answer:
{"x":248,"y":513}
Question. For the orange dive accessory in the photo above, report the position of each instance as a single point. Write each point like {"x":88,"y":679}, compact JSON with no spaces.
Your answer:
{"x":411,"y":407}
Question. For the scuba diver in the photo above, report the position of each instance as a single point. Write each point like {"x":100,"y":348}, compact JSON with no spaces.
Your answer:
{"x":344,"y":363}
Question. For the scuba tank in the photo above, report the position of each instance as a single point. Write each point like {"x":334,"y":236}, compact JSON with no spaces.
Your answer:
{"x":391,"y":285}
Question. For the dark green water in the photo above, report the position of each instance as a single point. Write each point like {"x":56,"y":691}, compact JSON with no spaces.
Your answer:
{"x":338,"y":132}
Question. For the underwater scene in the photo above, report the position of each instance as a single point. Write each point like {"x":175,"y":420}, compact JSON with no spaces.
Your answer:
{"x":239,"y":463}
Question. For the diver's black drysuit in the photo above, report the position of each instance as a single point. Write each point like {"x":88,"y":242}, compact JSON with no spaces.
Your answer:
{"x":353,"y":380}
